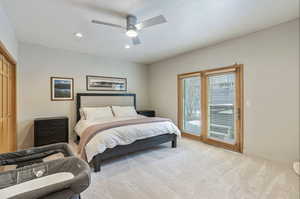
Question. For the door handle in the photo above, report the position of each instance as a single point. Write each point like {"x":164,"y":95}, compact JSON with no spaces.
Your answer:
{"x":238,"y":113}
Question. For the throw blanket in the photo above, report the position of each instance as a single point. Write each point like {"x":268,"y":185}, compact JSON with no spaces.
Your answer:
{"x":92,"y":131}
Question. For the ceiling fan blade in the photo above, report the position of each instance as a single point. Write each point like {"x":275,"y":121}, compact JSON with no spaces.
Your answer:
{"x":107,"y":24}
{"x":151,"y":22}
{"x":136,"y":41}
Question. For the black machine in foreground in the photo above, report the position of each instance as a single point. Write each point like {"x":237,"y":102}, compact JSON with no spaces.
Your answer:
{"x":36,"y":177}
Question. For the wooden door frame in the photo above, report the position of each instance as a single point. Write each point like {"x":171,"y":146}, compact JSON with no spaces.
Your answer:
{"x":5,"y":53}
{"x":238,"y":68}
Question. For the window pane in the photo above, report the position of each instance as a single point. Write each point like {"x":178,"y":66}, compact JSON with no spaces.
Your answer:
{"x":191,"y":105}
{"x":221,"y":102}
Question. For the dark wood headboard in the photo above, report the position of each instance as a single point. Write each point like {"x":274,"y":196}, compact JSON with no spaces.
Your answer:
{"x":116,"y":99}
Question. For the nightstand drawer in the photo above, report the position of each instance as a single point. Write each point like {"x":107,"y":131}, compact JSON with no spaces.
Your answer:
{"x":50,"y":139}
{"x":148,"y":113}
{"x":51,"y":131}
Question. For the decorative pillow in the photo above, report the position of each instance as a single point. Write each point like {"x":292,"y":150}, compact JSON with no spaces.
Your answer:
{"x":124,"y":111}
{"x":96,"y":113}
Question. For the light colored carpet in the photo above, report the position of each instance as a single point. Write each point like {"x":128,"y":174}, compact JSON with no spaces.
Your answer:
{"x":192,"y":171}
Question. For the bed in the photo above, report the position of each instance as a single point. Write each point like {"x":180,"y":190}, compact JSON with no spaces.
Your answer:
{"x":124,"y":134}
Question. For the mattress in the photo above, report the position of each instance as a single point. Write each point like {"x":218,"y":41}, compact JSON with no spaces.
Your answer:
{"x":122,"y":135}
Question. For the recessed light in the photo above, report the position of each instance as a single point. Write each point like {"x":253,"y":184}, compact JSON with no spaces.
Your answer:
{"x":78,"y":35}
{"x":127,"y":46}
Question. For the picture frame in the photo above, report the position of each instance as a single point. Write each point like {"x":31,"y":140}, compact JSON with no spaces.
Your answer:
{"x":103,"y":83}
{"x":62,"y":89}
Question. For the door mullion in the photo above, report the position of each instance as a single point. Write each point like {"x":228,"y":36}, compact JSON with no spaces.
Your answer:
{"x":204,"y":106}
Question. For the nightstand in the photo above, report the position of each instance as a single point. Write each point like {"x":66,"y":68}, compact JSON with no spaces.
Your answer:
{"x":148,"y":113}
{"x":51,"y":130}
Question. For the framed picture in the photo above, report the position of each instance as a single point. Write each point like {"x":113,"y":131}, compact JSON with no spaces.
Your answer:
{"x":100,"y":83}
{"x":62,"y":89}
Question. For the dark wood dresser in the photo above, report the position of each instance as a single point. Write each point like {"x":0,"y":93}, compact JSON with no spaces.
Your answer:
{"x":51,"y":130}
{"x":148,"y":113}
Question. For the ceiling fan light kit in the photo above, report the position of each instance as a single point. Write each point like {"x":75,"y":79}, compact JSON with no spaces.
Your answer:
{"x":131,"y":33}
{"x":132,"y":26}
{"x":131,"y":29}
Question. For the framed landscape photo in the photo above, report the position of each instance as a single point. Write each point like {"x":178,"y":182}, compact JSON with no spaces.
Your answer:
{"x":62,"y":89}
{"x":100,"y":83}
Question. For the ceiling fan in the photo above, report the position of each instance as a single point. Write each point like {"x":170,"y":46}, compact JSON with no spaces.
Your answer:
{"x":132,"y":26}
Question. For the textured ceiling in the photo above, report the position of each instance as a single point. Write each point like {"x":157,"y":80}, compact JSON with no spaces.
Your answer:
{"x":191,"y":24}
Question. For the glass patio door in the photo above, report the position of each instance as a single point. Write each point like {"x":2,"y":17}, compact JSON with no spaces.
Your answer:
{"x":223,"y":108}
{"x":210,"y":106}
{"x":190,"y":104}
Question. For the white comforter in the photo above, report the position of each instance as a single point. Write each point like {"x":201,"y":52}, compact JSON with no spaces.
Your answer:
{"x":122,"y":135}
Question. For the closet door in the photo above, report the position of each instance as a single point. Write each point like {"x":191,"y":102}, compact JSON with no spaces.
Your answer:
{"x":1,"y":106}
{"x":11,"y":108}
{"x":7,"y":106}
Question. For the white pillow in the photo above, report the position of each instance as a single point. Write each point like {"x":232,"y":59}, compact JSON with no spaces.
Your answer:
{"x":82,"y":116}
{"x":96,"y":113}
{"x":124,"y":111}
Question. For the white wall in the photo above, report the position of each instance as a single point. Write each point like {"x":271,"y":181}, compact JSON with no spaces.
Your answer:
{"x":38,"y":64}
{"x":271,"y":61}
{"x":7,"y":34}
